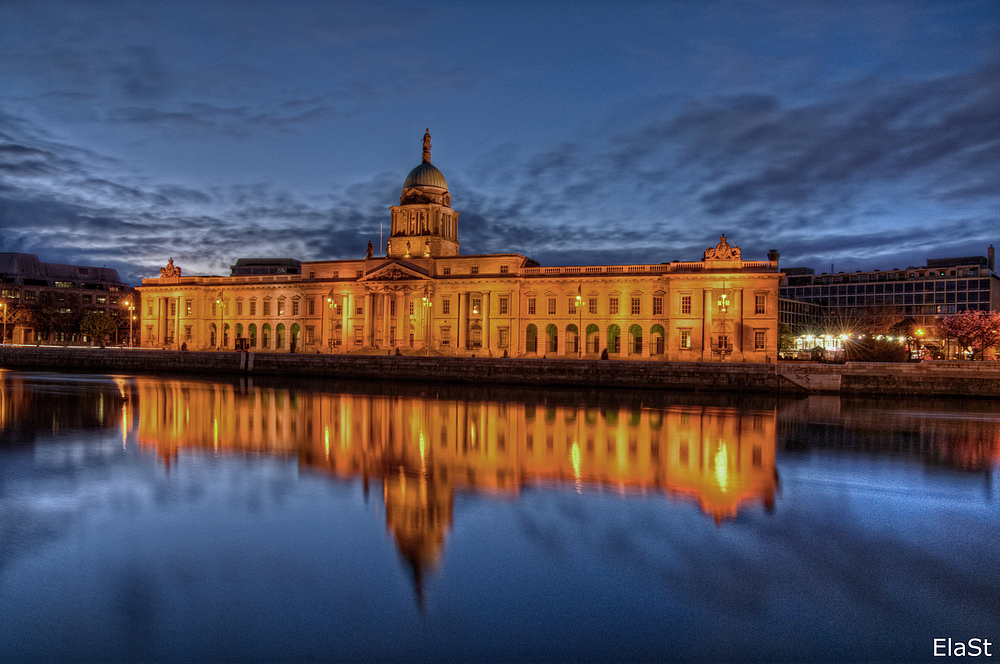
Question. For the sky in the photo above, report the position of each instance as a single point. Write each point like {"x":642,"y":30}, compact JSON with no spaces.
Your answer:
{"x":858,"y":135}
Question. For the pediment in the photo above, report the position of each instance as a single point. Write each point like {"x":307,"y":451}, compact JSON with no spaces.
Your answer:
{"x":395,"y":271}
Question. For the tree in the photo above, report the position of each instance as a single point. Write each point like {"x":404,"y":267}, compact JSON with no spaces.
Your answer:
{"x":974,"y":330}
{"x":786,"y":337}
{"x":97,"y":325}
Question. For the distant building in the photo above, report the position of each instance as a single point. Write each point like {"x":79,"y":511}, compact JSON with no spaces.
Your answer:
{"x":423,"y":296}
{"x":813,"y":303}
{"x":27,"y":283}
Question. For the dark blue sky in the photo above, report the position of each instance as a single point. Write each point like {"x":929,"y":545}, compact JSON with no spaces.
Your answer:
{"x":864,"y":134}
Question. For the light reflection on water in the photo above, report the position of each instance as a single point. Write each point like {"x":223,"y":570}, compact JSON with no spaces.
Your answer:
{"x":165,"y":519}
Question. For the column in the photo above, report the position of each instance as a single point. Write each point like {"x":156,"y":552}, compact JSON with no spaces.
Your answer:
{"x":486,"y":321}
{"x":177,"y":323}
{"x":385,"y":318}
{"x":369,"y":334}
{"x":460,"y":340}
{"x":402,"y":331}
{"x":706,"y":325}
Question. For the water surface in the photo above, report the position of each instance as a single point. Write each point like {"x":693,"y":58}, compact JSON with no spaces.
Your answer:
{"x":162,"y":519}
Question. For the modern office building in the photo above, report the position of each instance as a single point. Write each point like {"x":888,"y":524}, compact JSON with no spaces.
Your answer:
{"x":68,"y":290}
{"x":422,"y":296}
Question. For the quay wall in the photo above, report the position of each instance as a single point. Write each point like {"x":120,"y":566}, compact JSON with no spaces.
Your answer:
{"x":972,"y":379}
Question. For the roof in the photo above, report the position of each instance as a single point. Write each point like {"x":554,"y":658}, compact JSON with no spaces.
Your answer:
{"x":426,"y":174}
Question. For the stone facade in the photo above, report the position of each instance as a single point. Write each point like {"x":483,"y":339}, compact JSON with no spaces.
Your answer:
{"x":424,"y":297}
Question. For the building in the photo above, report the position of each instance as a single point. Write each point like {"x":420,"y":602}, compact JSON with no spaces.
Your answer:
{"x":820,"y":309}
{"x":424,"y":297}
{"x":62,"y":293}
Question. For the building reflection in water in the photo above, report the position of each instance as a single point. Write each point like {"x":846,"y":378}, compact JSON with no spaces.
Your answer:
{"x":423,"y":450}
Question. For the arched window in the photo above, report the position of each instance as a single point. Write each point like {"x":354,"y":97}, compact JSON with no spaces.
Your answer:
{"x":551,"y":338}
{"x":239,"y":331}
{"x":279,"y":336}
{"x":265,"y":334}
{"x":338,"y":335}
{"x":476,"y":337}
{"x":572,"y":339}
{"x":614,"y":339}
{"x":531,"y":339}
{"x":252,"y":331}
{"x":657,"y":338}
{"x":225,"y":335}
{"x":635,"y":335}
{"x":213,"y":334}
{"x":593,"y":339}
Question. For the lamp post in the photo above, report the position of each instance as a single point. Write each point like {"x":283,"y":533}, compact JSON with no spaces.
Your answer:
{"x":723,"y":304}
{"x":3,"y":310}
{"x":425,"y":305}
{"x":579,"y":329}
{"x":222,"y":306}
{"x":131,"y":307}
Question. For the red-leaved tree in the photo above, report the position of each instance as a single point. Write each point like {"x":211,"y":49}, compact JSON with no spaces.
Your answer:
{"x":974,"y":330}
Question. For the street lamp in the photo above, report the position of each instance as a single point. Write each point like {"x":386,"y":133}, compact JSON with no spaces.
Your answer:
{"x":425,"y":304}
{"x":222,"y":306}
{"x":723,"y":304}
{"x":3,"y":309}
{"x":579,"y":328}
{"x":131,"y":308}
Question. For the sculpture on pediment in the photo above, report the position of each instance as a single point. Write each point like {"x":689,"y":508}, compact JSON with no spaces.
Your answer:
{"x":371,"y":249}
{"x":392,"y":274}
{"x":722,"y":252}
{"x":170,"y":270}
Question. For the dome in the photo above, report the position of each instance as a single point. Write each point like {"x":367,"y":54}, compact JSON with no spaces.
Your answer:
{"x":426,"y":174}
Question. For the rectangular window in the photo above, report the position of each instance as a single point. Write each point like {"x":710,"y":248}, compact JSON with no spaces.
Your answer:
{"x":359,"y":336}
{"x":531,"y":306}
{"x":445,"y":306}
{"x":267,"y":308}
{"x":571,"y":305}
{"x":253,"y":307}
{"x":281,"y":307}
{"x":686,"y":305}
{"x":359,"y":273}
{"x":239,"y":308}
{"x":359,"y":310}
{"x":504,"y":337}
{"x":636,"y":306}
{"x":187,"y":333}
{"x":504,"y":269}
{"x":503,"y":305}
{"x":657,"y":306}
{"x":447,"y":270}
{"x":445,"y":336}
{"x":552,"y":306}
{"x":475,"y":269}
{"x":339,"y":309}
{"x":760,"y":300}
{"x":215,"y":308}
{"x":392,"y":307}
{"x":592,"y":305}
{"x":686,"y":339}
{"x":723,"y":342}
{"x":312,"y":307}
{"x":411,"y":307}
{"x":173,"y":306}
{"x":312,"y":274}
{"x":149,"y":309}
{"x":613,"y":306}
{"x":295,"y":307}
{"x":760,"y":340}
{"x":310,"y":335}
{"x":187,"y":307}
{"x":477,"y":306}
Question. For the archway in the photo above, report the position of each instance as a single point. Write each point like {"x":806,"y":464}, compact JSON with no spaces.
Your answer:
{"x":252,"y":331}
{"x":657,"y":338}
{"x":265,"y":341}
{"x":213,"y":335}
{"x":279,"y":336}
{"x":531,"y":339}
{"x":635,"y":337}
{"x":593,"y":339}
{"x":572,"y":338}
{"x":294,"y":339}
{"x":551,"y":338}
{"x":614,"y":339}
{"x":239,"y":331}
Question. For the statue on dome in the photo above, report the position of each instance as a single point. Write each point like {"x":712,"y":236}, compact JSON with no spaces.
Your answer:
{"x":427,"y":146}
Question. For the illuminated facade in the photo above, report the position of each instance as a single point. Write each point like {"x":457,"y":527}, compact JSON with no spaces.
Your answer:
{"x":423,"y":297}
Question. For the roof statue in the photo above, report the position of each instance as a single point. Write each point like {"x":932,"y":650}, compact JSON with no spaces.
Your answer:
{"x":722,"y":252}
{"x":170,"y":270}
{"x":427,"y":146}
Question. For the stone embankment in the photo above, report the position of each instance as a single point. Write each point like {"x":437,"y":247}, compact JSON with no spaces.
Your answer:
{"x":977,"y":379}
